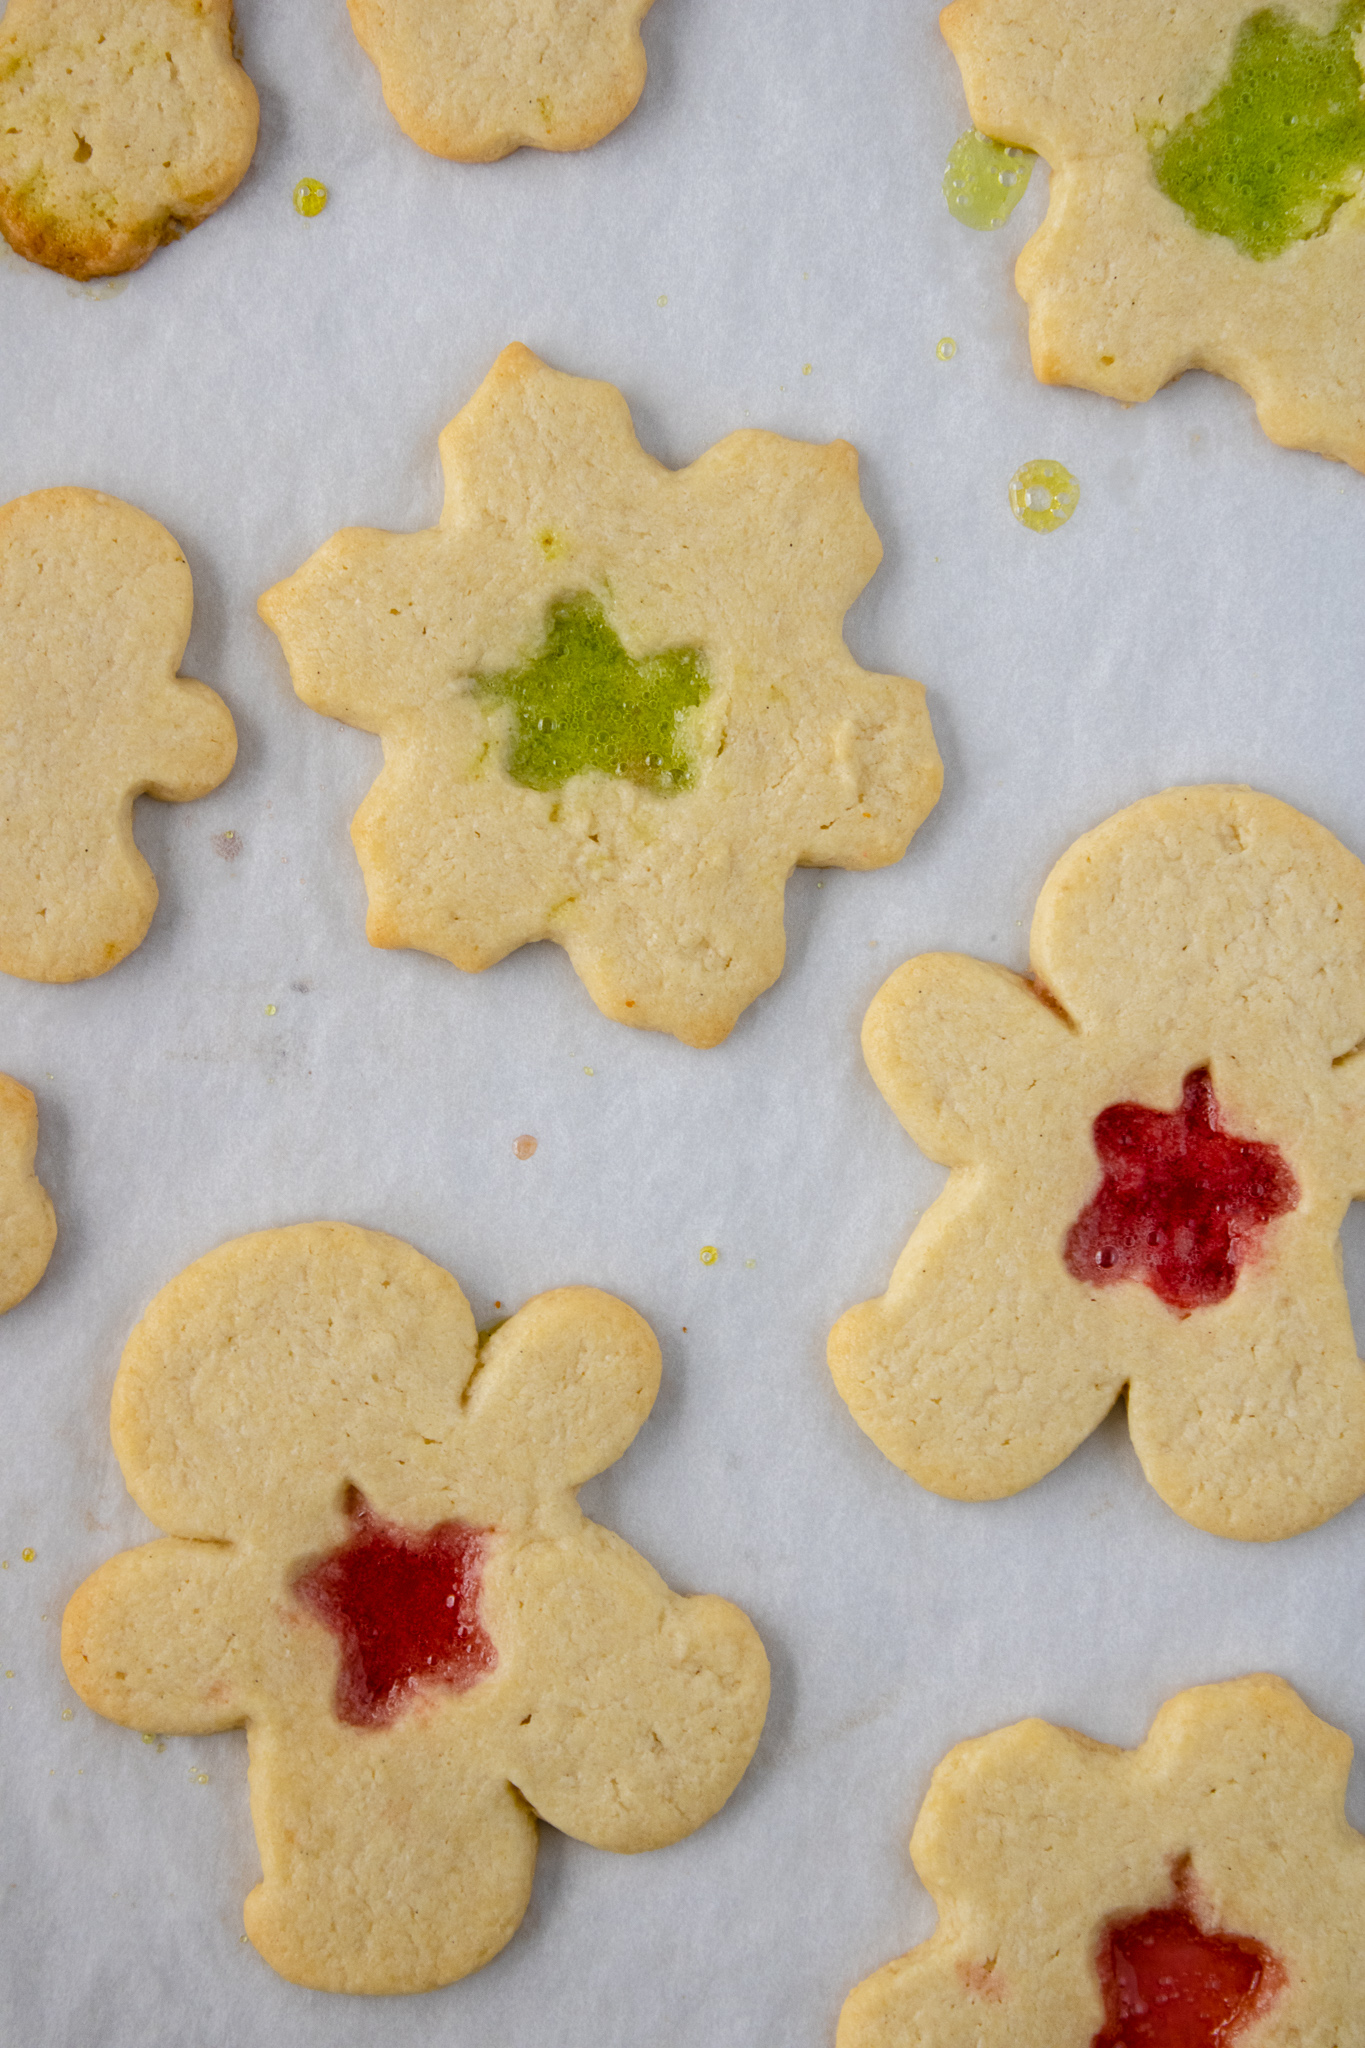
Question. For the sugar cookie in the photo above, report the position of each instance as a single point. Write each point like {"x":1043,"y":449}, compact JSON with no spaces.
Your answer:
{"x":1201,"y":1890}
{"x":476,"y":79}
{"x":1154,"y":1141}
{"x":95,"y":602}
{"x":1206,"y":204}
{"x":28,"y":1228}
{"x":378,"y":1564}
{"x":615,"y":700}
{"x":123,"y":123}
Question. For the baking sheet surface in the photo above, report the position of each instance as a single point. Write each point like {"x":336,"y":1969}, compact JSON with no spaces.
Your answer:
{"x":765,"y":243}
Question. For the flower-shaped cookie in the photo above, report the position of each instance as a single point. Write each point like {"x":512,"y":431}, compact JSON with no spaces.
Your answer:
{"x":95,"y":603}
{"x":616,"y":704}
{"x":1205,"y":210}
{"x":379,"y":1565}
{"x":476,"y":79}
{"x":1200,"y":1891}
{"x":123,"y":123}
{"x":1154,"y":1141}
{"x":28,"y":1228}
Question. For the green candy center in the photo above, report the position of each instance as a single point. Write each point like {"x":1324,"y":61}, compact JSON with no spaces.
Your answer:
{"x":582,"y":703}
{"x":1281,"y":144}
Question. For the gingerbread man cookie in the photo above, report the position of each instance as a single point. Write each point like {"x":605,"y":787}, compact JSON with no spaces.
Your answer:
{"x":378,"y":1564}
{"x":123,"y":123}
{"x":476,"y":79}
{"x":616,"y":704}
{"x":1206,"y":202}
{"x":28,"y":1228}
{"x":1201,"y":1890}
{"x":95,"y":603}
{"x":1153,"y":1140}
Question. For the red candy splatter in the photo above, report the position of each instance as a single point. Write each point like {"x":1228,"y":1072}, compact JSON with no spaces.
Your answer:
{"x":1169,"y":1984}
{"x":404,"y":1606}
{"x":1181,"y":1201}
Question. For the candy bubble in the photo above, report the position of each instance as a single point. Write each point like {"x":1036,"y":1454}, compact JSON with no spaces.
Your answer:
{"x":1043,"y":496}
{"x":310,"y":196}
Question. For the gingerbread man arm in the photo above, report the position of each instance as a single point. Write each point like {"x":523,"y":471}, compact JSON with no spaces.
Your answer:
{"x":148,"y":1639}
{"x":958,"y":1047}
{"x":647,"y":1707}
{"x":28,"y":1227}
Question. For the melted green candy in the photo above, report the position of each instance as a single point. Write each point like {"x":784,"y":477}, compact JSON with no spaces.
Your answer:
{"x":1281,"y":144}
{"x":984,"y":180}
{"x":582,"y":703}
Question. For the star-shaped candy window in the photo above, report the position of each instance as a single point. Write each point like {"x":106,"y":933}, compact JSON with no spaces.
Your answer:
{"x":476,"y":79}
{"x":1201,"y":1891}
{"x":378,"y":1565}
{"x":404,"y":1608}
{"x":582,"y":704}
{"x":1182,"y":1202}
{"x":122,"y":125}
{"x":28,"y":1228}
{"x":95,"y":603}
{"x":615,"y":700}
{"x":1206,"y":200}
{"x":1153,"y":1140}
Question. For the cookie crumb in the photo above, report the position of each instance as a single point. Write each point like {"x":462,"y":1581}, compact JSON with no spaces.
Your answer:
{"x":310,"y":196}
{"x":525,"y":1146}
{"x":226,"y":845}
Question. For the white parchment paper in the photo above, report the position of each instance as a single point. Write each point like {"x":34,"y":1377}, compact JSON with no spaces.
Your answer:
{"x":764,"y":242}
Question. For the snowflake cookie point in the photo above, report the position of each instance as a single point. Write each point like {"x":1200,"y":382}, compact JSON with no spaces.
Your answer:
{"x":376,"y":1562}
{"x":28,"y":1226}
{"x":1152,"y":1145}
{"x":95,"y":603}
{"x":616,"y":703}
{"x":162,"y":116}
{"x":475,"y":83}
{"x":1205,"y":201}
{"x":1073,"y":1879}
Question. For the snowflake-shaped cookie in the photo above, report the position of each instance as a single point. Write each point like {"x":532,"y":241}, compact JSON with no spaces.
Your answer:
{"x":616,"y":704}
{"x":1200,"y":1891}
{"x":1153,"y":1140}
{"x":378,"y":1564}
{"x":476,"y":79}
{"x":1205,"y":209}
{"x":95,"y":603}
{"x":123,"y":123}
{"x":28,"y":1228}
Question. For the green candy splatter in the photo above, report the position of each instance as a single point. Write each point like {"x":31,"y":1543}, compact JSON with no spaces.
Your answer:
{"x":582,"y":704}
{"x":984,"y":180}
{"x":1269,"y":159}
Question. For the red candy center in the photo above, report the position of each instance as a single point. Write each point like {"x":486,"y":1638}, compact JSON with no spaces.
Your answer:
{"x":1181,"y":1202}
{"x":1168,"y":1984}
{"x":404,"y":1606}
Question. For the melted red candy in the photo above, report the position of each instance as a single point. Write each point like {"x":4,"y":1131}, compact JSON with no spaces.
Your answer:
{"x":404,"y":1606}
{"x":1168,"y":1984}
{"x":1181,"y":1201}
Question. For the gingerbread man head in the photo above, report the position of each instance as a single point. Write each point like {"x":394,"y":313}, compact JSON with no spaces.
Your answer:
{"x":1154,"y":1140}
{"x":376,"y":1561}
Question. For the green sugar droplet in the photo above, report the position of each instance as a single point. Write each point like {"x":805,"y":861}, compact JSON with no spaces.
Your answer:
{"x":984,"y":180}
{"x":1281,"y":144}
{"x":582,"y":703}
{"x":1043,"y":496}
